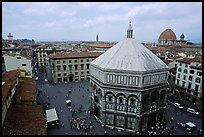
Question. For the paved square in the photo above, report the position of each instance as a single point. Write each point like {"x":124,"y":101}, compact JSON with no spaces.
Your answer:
{"x":57,"y":95}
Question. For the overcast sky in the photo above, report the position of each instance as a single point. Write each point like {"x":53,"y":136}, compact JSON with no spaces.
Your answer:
{"x":84,"y":20}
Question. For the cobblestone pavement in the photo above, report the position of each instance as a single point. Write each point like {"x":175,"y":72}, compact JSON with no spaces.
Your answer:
{"x":80,"y":95}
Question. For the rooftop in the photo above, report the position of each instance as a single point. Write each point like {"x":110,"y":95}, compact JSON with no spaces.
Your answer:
{"x":26,"y":90}
{"x":167,"y":34}
{"x":196,"y":67}
{"x":69,"y":55}
{"x":100,"y":45}
{"x":173,"y":70}
{"x":188,"y":60}
{"x":130,"y":55}
{"x":23,"y":119}
{"x":22,"y":55}
{"x":9,"y":77}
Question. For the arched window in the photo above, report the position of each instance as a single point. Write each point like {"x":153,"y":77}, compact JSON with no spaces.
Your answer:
{"x":110,"y":98}
{"x":120,"y":100}
{"x":132,"y":101}
{"x":185,"y":71}
{"x":179,"y":70}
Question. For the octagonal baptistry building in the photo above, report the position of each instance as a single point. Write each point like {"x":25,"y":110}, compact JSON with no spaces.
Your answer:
{"x":128,"y":86}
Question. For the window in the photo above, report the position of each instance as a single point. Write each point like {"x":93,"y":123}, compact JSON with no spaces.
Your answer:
{"x":64,"y":61}
{"x":183,"y":84}
{"x":58,"y":62}
{"x":75,"y":60}
{"x":87,"y":66}
{"x":179,"y":70}
{"x":70,"y":67}
{"x":190,"y":78}
{"x":180,"y":64}
{"x":41,"y":60}
{"x":23,"y":64}
{"x":110,"y":98}
{"x":76,"y":67}
{"x":64,"y":67}
{"x":58,"y":68}
{"x":132,"y":101}
{"x":87,"y":72}
{"x":58,"y":75}
{"x":120,"y":99}
{"x":92,"y":59}
{"x":82,"y":60}
{"x":179,"y":75}
{"x":197,"y":80}
{"x":184,"y":77}
{"x":185,"y":71}
{"x":43,"y":55}
{"x":186,"y":65}
{"x":178,"y":82}
{"x":196,"y":87}
{"x":76,"y":73}
{"x":82,"y":73}
{"x":199,"y":73}
{"x":87,"y":60}
{"x":82,"y":66}
{"x":189,"y":85}
{"x":70,"y":61}
{"x":65,"y":74}
{"x":18,"y":57}
{"x":192,"y":71}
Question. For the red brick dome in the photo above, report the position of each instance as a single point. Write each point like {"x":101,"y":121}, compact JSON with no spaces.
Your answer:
{"x":167,"y":34}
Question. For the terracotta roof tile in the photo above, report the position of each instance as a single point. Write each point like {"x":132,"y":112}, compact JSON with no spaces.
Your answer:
{"x":173,"y":70}
{"x":188,"y":60}
{"x":74,"y":55}
{"x":43,"y":46}
{"x":26,"y":90}
{"x":9,"y":77}
{"x":99,"y":45}
{"x":23,"y":119}
{"x":166,"y":61}
{"x":196,"y":67}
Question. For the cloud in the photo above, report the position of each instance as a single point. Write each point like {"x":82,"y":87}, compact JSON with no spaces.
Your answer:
{"x":68,"y":13}
{"x":80,"y":20}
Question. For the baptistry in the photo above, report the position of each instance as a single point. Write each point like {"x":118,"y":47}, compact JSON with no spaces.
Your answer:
{"x":128,"y":86}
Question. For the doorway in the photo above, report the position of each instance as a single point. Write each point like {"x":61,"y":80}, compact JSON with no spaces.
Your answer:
{"x":71,"y":77}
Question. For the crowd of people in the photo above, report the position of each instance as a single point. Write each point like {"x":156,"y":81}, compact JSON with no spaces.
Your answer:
{"x":159,"y":129}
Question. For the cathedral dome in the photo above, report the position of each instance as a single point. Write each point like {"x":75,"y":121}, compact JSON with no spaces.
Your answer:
{"x":167,"y":34}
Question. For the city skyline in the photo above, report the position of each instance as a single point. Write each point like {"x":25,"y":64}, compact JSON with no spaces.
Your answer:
{"x":82,"y":21}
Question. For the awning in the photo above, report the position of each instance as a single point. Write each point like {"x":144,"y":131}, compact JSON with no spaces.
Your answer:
{"x":51,"y":115}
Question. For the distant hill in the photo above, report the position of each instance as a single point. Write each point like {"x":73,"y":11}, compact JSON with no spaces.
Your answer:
{"x":19,"y":40}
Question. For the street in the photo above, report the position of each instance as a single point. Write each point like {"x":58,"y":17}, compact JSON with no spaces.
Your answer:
{"x":57,"y":95}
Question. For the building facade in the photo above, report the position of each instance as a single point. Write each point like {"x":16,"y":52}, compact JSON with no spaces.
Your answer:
{"x":10,"y":80}
{"x":69,"y":66}
{"x":168,"y":37}
{"x":128,"y":86}
{"x":41,"y":54}
{"x":189,"y":80}
{"x":22,"y":62}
